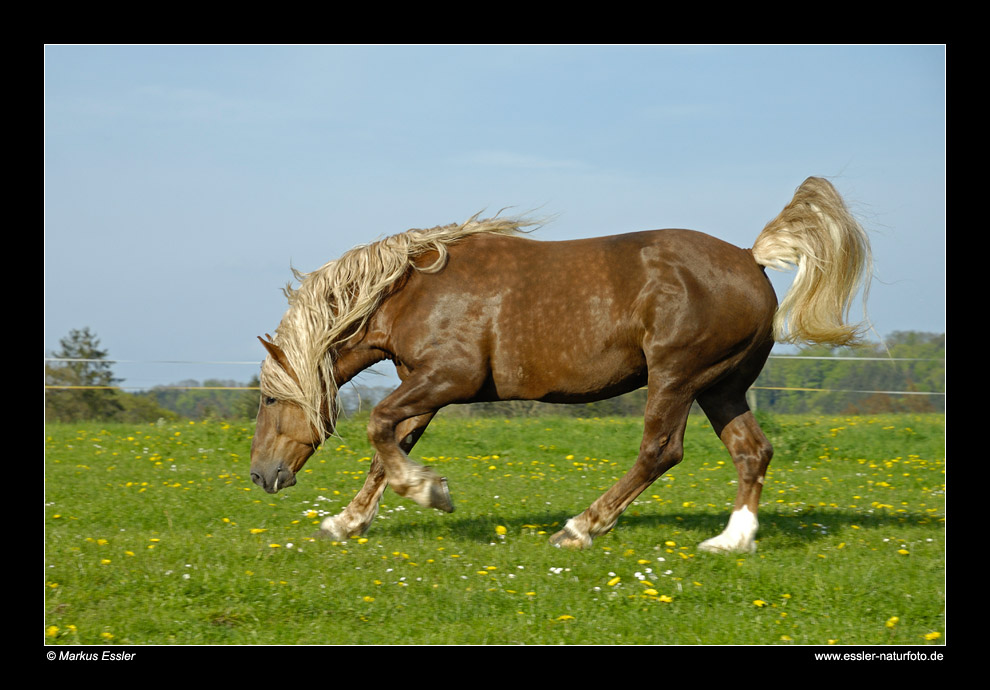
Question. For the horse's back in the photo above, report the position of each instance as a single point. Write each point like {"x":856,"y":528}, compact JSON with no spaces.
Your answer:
{"x":582,"y":319}
{"x":649,"y":275}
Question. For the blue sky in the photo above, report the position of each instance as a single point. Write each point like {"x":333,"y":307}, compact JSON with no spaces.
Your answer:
{"x":181,"y":183}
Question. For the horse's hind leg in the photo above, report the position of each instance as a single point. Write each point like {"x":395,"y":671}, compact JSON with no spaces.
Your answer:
{"x":357,"y":517}
{"x":751,"y":452}
{"x":662,"y":448}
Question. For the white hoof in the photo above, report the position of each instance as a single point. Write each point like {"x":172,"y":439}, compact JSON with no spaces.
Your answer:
{"x":571,"y":537}
{"x":721,"y":544}
{"x":334,"y":528}
{"x":739,"y":535}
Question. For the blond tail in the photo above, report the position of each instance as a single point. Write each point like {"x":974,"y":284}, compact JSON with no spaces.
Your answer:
{"x":817,"y":234}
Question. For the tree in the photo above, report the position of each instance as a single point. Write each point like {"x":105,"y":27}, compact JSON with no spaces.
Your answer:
{"x":79,"y":381}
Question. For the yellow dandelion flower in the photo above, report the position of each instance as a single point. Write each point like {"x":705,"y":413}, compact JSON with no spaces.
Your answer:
{"x":614,"y":581}
{"x":759,"y":603}
{"x":903,"y":552}
{"x":51,"y":631}
{"x":565,"y":617}
{"x":892,"y":621}
{"x":650,"y":592}
{"x":368,"y":599}
{"x":106,"y":635}
{"x":665,"y":599}
{"x":933,"y":636}
{"x":501,"y":530}
{"x":258,"y":530}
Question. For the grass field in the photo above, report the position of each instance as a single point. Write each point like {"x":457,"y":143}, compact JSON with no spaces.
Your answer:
{"x":155,"y":534}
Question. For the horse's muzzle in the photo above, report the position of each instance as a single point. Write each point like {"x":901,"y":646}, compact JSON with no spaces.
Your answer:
{"x":279,"y":479}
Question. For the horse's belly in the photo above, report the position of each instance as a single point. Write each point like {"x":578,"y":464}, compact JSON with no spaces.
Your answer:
{"x":575,"y":371}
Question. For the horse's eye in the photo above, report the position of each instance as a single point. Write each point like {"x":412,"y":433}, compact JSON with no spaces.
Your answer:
{"x":269,"y":401}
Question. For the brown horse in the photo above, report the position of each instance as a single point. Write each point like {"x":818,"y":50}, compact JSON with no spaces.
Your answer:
{"x":476,"y":312}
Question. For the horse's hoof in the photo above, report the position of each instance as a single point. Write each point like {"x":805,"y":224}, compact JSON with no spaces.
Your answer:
{"x":714,"y":545}
{"x":427,"y":488}
{"x":331,"y":528}
{"x":567,"y":539}
{"x":440,"y":496}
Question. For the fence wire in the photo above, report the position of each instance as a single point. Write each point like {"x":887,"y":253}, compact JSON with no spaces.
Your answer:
{"x":254,"y":388}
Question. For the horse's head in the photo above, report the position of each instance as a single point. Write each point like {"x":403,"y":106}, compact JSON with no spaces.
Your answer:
{"x":285,"y":436}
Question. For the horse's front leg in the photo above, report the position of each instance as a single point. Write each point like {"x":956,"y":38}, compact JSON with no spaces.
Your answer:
{"x":394,"y":422}
{"x":357,"y":517}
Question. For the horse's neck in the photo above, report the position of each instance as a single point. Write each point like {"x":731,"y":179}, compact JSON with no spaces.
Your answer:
{"x":351,"y":362}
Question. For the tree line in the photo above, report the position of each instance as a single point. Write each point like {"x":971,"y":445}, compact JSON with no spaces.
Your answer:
{"x":80,"y":385}
{"x":858,"y":380}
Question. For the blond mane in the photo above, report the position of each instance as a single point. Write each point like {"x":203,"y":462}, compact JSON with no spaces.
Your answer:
{"x":333,"y":304}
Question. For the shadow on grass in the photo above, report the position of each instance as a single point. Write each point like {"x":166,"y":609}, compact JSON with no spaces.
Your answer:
{"x":804,"y":527}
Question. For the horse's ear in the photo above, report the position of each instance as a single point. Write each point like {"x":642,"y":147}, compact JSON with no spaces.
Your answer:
{"x":277,"y":354}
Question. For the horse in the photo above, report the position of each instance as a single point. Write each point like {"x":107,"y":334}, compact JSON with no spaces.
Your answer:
{"x":481,"y":311}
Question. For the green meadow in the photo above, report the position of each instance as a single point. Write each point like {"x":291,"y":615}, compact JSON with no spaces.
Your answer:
{"x":155,"y":535}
